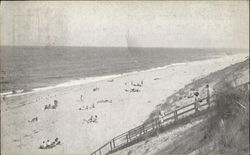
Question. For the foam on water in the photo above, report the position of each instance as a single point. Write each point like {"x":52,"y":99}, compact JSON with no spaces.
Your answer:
{"x":88,"y":80}
{"x":84,"y":81}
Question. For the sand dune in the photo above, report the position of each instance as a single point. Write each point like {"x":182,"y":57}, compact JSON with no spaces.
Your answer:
{"x":127,"y":109}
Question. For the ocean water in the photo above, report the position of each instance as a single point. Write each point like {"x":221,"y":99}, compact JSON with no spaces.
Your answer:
{"x":27,"y":68}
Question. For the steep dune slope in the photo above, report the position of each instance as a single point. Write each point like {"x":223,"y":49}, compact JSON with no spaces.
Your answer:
{"x":208,"y":134}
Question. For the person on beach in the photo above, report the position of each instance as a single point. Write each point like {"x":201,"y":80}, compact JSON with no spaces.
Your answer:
{"x":47,"y":107}
{"x":196,"y":94}
{"x":95,"y":119}
{"x":55,"y":104}
{"x":91,"y":119}
{"x":56,"y":142}
{"x":43,"y":146}
{"x":48,"y":143}
{"x":197,"y":100}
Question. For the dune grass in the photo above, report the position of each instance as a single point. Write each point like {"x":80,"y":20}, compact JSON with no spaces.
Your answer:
{"x":228,"y":130}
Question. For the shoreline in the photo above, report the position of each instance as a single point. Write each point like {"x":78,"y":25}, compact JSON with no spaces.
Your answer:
{"x":88,"y":80}
{"x":116,"y":108}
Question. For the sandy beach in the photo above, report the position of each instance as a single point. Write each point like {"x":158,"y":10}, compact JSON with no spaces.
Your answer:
{"x":118,"y":105}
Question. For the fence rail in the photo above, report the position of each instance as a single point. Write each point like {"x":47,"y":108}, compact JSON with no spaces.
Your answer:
{"x":149,"y":127}
{"x":154,"y":125}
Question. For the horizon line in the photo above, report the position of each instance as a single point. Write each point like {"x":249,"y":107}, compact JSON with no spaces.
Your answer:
{"x":126,"y":47}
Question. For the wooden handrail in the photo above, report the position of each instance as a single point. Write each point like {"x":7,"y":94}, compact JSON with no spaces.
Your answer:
{"x":154,"y":124}
{"x":133,"y":133}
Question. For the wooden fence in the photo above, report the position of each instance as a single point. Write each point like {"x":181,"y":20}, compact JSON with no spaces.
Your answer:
{"x":152,"y":127}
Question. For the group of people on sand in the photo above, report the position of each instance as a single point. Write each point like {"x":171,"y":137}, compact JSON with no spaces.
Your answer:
{"x":49,"y":106}
{"x":48,"y":144}
{"x":92,"y":119}
{"x":87,"y":107}
{"x":104,"y":101}
{"x":137,"y":84}
{"x":132,"y":90}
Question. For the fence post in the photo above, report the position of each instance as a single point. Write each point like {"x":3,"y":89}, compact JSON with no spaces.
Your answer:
{"x":114,"y":143}
{"x":100,"y":152}
{"x":127,"y":138}
{"x":111,"y":148}
{"x":208,"y":96}
{"x":140,"y":130}
{"x":195,"y":106}
{"x":157,"y":127}
{"x":143,"y":128}
{"x":175,"y":115}
{"x":156,"y":123}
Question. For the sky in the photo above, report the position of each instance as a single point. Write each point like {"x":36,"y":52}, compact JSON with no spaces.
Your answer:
{"x":204,"y":24}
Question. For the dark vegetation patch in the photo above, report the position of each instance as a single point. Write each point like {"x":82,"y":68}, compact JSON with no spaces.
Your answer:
{"x":226,"y":132}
